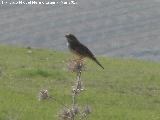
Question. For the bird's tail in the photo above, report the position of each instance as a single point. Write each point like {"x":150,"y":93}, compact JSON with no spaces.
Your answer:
{"x":94,"y":59}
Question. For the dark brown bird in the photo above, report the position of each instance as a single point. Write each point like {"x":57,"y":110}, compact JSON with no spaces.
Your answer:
{"x":79,"y":49}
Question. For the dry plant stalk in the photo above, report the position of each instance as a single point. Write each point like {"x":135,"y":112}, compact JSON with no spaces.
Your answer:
{"x":76,"y":66}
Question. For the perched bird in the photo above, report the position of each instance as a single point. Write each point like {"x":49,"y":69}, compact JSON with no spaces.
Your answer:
{"x":79,"y":49}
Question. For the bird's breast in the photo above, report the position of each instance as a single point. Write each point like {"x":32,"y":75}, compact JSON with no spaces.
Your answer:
{"x":67,"y":44}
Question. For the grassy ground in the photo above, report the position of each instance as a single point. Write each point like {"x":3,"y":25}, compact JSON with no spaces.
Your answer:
{"x":125,"y":90}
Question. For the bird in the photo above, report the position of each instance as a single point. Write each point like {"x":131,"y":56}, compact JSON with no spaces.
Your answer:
{"x":80,"y":49}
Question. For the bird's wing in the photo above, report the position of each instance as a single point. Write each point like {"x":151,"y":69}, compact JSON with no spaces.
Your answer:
{"x":87,"y":53}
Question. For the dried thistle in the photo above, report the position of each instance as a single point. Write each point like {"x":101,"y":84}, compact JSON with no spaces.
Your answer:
{"x":76,"y":65}
{"x":66,"y":114}
{"x":78,"y":87}
{"x":43,"y":94}
{"x":75,"y":109}
{"x":86,"y":111}
{"x":69,"y":113}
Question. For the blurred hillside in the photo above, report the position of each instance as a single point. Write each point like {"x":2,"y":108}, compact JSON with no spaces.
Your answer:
{"x":121,"y":28}
{"x":125,"y":90}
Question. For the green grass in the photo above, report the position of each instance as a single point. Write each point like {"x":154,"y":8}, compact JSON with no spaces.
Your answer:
{"x":126,"y":89}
